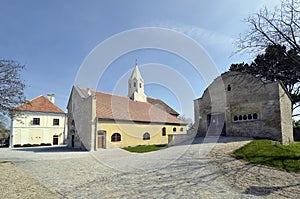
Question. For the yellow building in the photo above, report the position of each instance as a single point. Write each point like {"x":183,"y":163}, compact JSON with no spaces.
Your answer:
{"x":101,"y":120}
{"x":39,"y":121}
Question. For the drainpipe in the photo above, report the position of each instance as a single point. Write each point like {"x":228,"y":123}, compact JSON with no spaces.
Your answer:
{"x":64,"y":133}
{"x":11,"y":134}
{"x":96,"y":136}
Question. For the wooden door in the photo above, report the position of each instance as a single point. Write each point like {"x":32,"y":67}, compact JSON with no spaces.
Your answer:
{"x":55,"y":139}
{"x":101,"y":139}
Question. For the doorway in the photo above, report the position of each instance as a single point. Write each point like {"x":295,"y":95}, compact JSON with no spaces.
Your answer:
{"x":73,"y":140}
{"x":55,"y":140}
{"x":216,"y":124}
{"x":101,"y":139}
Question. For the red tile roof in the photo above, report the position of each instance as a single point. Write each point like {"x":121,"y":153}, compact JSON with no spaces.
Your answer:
{"x":161,"y":104}
{"x":116,"y":107}
{"x":40,"y":104}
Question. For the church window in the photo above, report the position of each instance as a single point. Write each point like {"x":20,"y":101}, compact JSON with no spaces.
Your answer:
{"x":181,"y":129}
{"x":249,"y":116}
{"x":240,"y":117}
{"x":235,"y":118}
{"x":164,"y":131}
{"x":116,"y":137}
{"x":174,"y":129}
{"x":134,"y":84}
{"x":255,"y":116}
{"x":245,"y":117}
{"x":229,"y":87}
{"x":146,"y":136}
{"x":140,"y":85}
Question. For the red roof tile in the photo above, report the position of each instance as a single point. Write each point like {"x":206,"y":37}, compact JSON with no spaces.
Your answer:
{"x":122,"y":108}
{"x":161,"y":104}
{"x":40,"y":104}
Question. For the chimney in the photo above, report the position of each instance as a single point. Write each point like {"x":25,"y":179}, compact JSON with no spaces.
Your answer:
{"x":89,"y":91}
{"x":51,"y":97}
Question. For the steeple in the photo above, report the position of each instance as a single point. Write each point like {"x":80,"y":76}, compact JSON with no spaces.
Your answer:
{"x":136,"y":86}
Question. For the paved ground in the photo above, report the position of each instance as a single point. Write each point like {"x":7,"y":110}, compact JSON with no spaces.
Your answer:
{"x":184,"y":171}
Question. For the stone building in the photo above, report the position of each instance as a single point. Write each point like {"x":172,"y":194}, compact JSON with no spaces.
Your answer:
{"x":101,"y":120}
{"x":239,"y":104}
{"x":39,"y":121}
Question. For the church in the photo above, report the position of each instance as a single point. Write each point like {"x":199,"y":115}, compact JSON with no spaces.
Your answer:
{"x":239,"y":104}
{"x":99,"y":120}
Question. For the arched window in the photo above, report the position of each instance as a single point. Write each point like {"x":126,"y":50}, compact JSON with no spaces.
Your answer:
{"x":146,"y":136}
{"x":174,"y":129}
{"x":140,"y":85}
{"x":235,"y":118}
{"x":164,"y":131}
{"x":181,"y":129}
{"x":245,"y":117}
{"x":134,"y":84}
{"x":116,"y":137}
{"x":228,"y":87}
{"x":240,"y":117}
{"x":249,"y":117}
{"x":255,"y":116}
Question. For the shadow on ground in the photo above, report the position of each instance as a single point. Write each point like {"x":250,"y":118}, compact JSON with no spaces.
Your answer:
{"x":265,"y":191}
{"x":48,"y":149}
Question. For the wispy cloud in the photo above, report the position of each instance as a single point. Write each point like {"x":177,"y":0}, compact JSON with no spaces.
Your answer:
{"x":203,"y":36}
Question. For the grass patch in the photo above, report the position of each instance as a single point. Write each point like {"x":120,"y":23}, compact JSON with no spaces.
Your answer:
{"x":145,"y":148}
{"x":270,"y":153}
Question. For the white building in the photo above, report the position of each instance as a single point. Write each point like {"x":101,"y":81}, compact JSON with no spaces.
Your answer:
{"x":39,"y":121}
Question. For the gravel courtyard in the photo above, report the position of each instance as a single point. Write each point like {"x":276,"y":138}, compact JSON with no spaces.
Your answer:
{"x":184,"y":171}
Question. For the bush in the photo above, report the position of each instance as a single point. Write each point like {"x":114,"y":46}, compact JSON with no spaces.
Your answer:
{"x":45,"y":144}
{"x":26,"y":145}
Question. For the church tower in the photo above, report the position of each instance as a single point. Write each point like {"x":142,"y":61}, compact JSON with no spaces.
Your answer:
{"x":136,"y":86}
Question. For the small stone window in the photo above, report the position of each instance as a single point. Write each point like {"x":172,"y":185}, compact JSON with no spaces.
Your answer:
{"x":181,"y":129}
{"x":245,"y":117}
{"x":174,"y":129}
{"x":235,"y":118}
{"x":146,"y":136}
{"x":116,"y":137}
{"x":255,"y":116}
{"x":164,"y":131}
{"x":240,"y":117}
{"x":249,"y":116}
{"x":229,"y":87}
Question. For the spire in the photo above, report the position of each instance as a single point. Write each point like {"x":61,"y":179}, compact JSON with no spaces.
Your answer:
{"x":136,"y":85}
{"x":136,"y":72}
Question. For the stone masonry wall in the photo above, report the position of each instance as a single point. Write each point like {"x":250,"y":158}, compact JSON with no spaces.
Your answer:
{"x":245,"y":95}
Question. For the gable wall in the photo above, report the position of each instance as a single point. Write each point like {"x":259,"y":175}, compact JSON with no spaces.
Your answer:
{"x":83,"y":112}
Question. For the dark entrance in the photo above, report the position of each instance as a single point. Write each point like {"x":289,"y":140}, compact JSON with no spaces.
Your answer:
{"x":216,"y":125}
{"x":55,"y":139}
{"x":73,"y":140}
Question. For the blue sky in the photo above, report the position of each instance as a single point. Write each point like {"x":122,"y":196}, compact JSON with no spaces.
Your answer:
{"x":53,"y":37}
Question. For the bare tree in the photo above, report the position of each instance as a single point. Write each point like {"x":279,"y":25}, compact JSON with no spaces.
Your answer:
{"x":11,"y":87}
{"x":278,"y":27}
